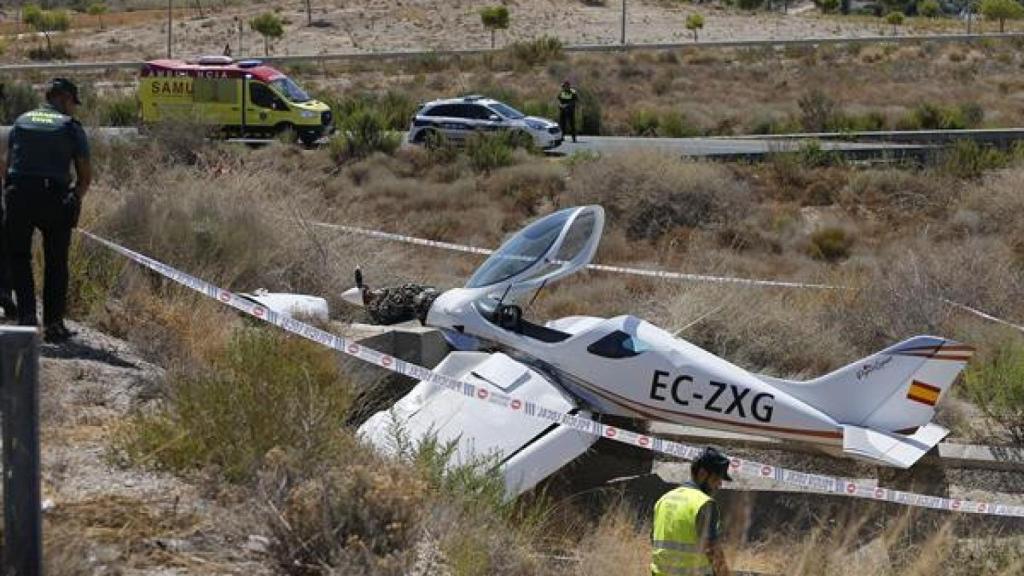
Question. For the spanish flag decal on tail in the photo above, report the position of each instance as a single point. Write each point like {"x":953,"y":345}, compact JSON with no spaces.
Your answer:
{"x":923,"y":393}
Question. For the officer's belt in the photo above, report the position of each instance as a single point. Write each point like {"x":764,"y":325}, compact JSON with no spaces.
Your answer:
{"x":48,"y":183}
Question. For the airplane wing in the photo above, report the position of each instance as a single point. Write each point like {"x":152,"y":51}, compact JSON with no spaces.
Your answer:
{"x":527,"y":449}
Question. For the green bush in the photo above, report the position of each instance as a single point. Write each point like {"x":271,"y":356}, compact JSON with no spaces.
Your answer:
{"x":489,"y":151}
{"x":267,"y":390}
{"x":830,"y":244}
{"x":677,"y":125}
{"x":57,"y":51}
{"x":810,"y":154}
{"x":827,"y":6}
{"x":362,"y":133}
{"x":15,"y":100}
{"x":644,"y":123}
{"x":997,"y":387}
{"x":968,"y":159}
{"x":591,"y":121}
{"x":929,"y":116}
{"x":539,"y":51}
{"x":393,"y":108}
{"x":122,"y":111}
{"x":818,"y":112}
{"x":929,"y":8}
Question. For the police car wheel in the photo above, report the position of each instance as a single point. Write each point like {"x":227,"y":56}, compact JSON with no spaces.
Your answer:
{"x":431,"y":138}
{"x":521,"y":138}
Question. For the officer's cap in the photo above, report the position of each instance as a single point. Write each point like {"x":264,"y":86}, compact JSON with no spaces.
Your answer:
{"x":63,"y":85}
{"x":715,"y":462}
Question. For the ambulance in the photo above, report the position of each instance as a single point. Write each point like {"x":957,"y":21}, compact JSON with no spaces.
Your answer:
{"x":242,"y":98}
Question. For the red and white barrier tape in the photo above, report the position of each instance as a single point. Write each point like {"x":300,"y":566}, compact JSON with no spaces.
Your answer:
{"x":662,"y":274}
{"x":529,"y":409}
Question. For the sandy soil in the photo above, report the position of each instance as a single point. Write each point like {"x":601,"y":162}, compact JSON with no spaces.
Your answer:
{"x":382,"y":25}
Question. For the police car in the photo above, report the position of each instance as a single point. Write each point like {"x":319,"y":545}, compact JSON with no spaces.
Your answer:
{"x":457,"y":118}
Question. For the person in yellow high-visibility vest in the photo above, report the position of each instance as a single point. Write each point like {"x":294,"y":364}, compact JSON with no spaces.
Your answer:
{"x":687,"y":523}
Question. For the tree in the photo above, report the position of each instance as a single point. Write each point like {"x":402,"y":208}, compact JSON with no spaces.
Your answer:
{"x":929,"y":8}
{"x":269,"y":26}
{"x":1001,"y":10}
{"x":98,"y":9}
{"x":894,"y":18}
{"x":694,"y":22}
{"x":46,"y":21}
{"x":494,"y":18}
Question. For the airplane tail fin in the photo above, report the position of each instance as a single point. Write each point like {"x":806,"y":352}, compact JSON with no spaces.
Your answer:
{"x":891,"y":392}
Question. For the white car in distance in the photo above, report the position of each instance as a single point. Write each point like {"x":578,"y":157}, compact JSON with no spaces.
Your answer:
{"x":456,"y":119}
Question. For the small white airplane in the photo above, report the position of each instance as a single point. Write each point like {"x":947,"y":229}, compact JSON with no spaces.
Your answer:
{"x":877,"y":409}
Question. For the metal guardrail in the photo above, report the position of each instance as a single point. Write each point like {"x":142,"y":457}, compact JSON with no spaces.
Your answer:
{"x":398,"y":55}
{"x":19,"y":402}
{"x":981,"y":135}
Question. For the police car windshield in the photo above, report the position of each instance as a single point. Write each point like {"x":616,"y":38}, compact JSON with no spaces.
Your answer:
{"x":522,"y":251}
{"x":507,"y":111}
{"x":290,"y":90}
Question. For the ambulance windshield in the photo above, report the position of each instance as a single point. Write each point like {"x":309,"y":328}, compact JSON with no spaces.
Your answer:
{"x":290,"y":90}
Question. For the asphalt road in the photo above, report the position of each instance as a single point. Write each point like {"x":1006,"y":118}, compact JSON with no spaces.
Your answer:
{"x":721,"y":148}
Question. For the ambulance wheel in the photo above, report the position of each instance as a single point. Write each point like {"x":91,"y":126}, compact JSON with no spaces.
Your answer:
{"x":285,"y":132}
{"x":308,"y":138}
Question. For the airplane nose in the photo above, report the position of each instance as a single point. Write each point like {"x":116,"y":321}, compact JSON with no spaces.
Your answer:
{"x":353,"y":296}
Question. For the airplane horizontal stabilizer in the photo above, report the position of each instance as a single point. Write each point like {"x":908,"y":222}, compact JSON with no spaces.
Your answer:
{"x":889,"y":448}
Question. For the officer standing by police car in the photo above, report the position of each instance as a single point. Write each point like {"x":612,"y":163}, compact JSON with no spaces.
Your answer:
{"x":687,"y":524}
{"x":567,"y":99}
{"x":38,"y":193}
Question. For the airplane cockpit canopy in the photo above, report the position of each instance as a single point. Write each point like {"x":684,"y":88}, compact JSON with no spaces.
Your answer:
{"x":554,"y":246}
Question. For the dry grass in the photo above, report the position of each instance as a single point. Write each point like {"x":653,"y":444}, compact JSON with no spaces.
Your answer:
{"x":231,"y":215}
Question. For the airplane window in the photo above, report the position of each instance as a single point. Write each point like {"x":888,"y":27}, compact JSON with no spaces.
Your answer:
{"x":577,"y":238}
{"x":618,"y":344}
{"x":521,"y":252}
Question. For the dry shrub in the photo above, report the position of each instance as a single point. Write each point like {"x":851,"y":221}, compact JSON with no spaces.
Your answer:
{"x":616,"y":546}
{"x":363,"y":517}
{"x":265,"y":390}
{"x":416,"y":513}
{"x":896,"y":195}
{"x":900,"y":546}
{"x":906,"y":296}
{"x":830,"y":244}
{"x":65,"y":552}
{"x":532,"y":189}
{"x":778,"y":331}
{"x":168,"y":324}
{"x":650,"y":194}
{"x":998,"y":203}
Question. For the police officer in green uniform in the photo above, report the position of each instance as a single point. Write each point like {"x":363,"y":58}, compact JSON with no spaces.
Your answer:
{"x":39,"y":193}
{"x":687,"y":523}
{"x":567,"y":99}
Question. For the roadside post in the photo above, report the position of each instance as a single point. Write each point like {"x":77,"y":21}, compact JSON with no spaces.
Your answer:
{"x":19,"y":411}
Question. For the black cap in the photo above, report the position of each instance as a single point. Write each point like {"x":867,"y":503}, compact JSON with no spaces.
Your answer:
{"x":63,"y":85}
{"x":715,"y":462}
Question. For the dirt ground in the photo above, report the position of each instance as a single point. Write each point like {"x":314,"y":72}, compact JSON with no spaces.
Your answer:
{"x":104,"y":519}
{"x":386,"y":25}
